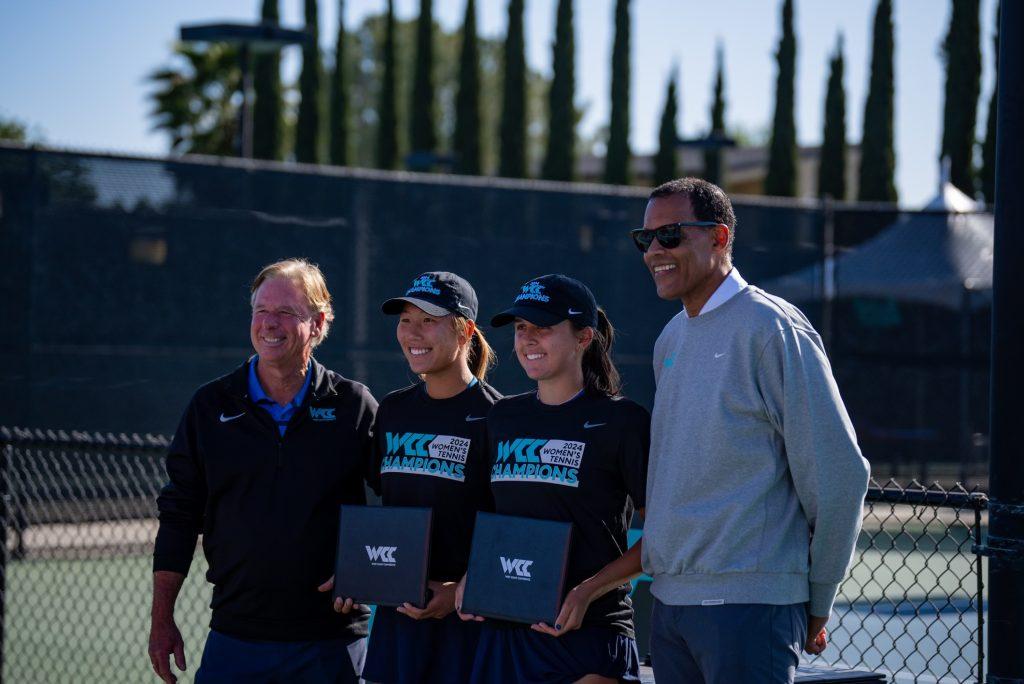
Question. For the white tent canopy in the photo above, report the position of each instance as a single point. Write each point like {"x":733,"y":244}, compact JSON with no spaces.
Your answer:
{"x":941,"y":256}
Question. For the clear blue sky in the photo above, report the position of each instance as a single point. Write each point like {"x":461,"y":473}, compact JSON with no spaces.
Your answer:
{"x":75,"y":71}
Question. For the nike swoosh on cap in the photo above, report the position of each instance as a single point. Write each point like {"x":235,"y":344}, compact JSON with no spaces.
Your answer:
{"x":588,"y":425}
{"x":228,"y":419}
{"x":472,"y":419}
{"x":573,"y":312}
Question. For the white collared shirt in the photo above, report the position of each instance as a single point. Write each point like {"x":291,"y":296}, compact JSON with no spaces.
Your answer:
{"x":729,"y":288}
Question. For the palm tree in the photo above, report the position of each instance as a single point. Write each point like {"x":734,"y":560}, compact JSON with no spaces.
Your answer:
{"x":193,"y":100}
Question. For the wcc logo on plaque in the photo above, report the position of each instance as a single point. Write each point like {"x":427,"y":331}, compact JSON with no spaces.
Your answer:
{"x":366,"y":565}
{"x":516,"y":568}
{"x":382,"y":556}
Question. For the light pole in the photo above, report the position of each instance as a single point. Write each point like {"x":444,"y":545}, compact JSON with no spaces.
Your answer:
{"x":250,"y":39}
{"x":1005,"y":547}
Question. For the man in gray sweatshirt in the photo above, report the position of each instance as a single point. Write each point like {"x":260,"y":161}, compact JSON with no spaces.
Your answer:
{"x":756,"y":483}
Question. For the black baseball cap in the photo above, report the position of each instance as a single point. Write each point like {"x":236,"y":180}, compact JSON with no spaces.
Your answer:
{"x":439,"y":293}
{"x":549,"y":300}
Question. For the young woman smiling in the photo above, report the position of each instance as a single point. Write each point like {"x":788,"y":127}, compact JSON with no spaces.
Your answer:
{"x":563,"y":341}
{"x":441,"y":343}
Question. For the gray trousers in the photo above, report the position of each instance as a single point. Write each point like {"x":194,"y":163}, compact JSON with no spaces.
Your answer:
{"x":727,"y":644}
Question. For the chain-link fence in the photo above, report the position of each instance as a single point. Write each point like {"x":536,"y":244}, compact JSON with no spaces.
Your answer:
{"x":80,"y":521}
{"x":912,"y":605}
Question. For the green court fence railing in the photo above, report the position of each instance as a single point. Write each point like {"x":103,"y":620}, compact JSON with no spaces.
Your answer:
{"x":78,"y":509}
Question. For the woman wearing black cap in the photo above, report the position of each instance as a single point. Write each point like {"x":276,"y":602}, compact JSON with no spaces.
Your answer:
{"x":563,"y":342}
{"x":441,"y":343}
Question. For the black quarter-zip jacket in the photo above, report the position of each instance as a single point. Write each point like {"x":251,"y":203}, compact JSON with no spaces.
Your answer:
{"x":267,"y":505}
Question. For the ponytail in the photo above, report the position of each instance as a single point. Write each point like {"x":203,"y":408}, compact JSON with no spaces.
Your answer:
{"x":481,"y":356}
{"x":599,"y":371}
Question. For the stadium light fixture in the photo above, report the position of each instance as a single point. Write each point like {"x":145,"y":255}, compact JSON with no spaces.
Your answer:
{"x":713,"y":141}
{"x":251,"y":39}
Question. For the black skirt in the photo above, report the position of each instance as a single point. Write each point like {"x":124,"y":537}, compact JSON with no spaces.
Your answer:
{"x":407,"y":651}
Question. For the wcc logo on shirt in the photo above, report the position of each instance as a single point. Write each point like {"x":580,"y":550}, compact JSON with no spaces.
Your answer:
{"x":322,"y":415}
{"x":418,"y":453}
{"x":555,"y":461}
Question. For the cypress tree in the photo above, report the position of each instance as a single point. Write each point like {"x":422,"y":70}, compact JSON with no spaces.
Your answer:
{"x":988,"y":148}
{"x":339,"y":102}
{"x":266,"y":114}
{"x":713,"y":157}
{"x":387,"y":126}
{"x":466,"y":142}
{"x":617,"y":158}
{"x":877,"y":155}
{"x":422,"y":136}
{"x":781,"y":177}
{"x":962,"y":53}
{"x":560,"y":158}
{"x":307,"y":128}
{"x":512,"y":162}
{"x":665,"y":168}
{"x":832,"y":161}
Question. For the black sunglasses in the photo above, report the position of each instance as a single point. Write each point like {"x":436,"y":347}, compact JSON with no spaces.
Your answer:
{"x":669,"y":236}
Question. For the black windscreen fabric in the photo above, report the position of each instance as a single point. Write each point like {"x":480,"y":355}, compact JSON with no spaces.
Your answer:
{"x":125,"y":286}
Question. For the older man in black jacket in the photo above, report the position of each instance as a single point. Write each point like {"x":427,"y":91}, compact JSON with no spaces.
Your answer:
{"x":259,"y":465}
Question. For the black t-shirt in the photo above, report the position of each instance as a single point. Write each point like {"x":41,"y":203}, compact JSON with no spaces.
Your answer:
{"x":433,"y":453}
{"x":583,"y":462}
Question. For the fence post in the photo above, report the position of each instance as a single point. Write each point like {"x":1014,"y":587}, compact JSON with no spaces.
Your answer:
{"x":979,"y":575}
{"x":5,"y":449}
{"x":1005,"y":546}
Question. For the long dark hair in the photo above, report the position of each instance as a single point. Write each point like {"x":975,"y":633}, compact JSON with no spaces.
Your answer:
{"x":599,"y":371}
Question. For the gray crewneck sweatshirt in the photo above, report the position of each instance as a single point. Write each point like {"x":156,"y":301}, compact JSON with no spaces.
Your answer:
{"x":751,"y":451}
